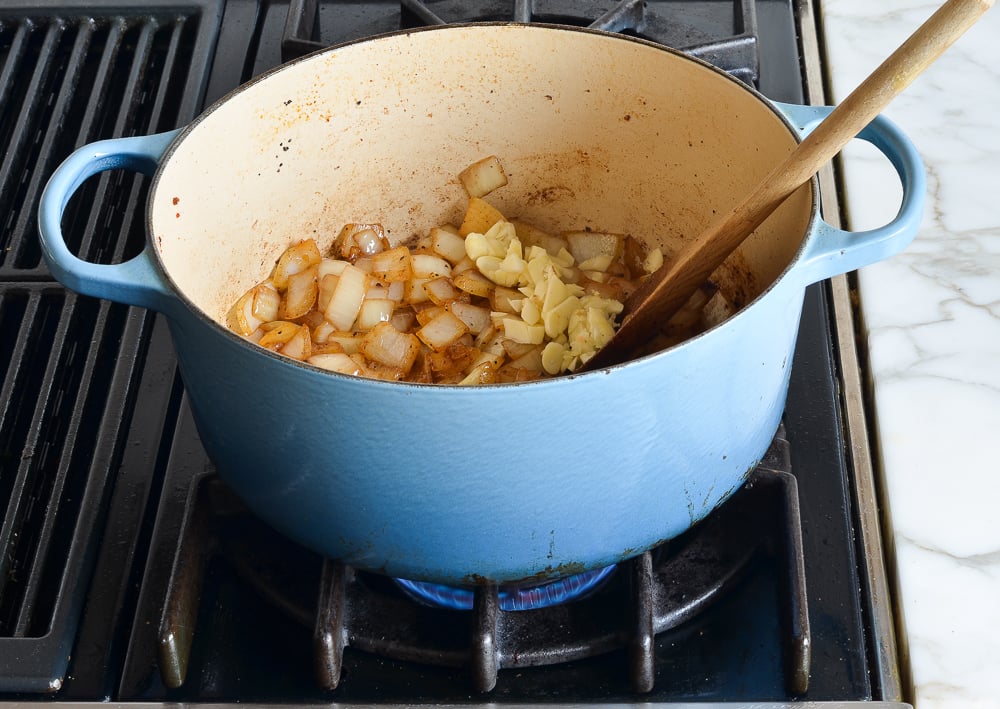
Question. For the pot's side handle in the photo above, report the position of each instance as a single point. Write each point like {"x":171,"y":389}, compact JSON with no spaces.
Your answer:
{"x":136,"y":281}
{"x":831,"y":251}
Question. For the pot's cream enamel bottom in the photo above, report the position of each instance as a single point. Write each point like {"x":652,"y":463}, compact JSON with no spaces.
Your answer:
{"x":595,"y":132}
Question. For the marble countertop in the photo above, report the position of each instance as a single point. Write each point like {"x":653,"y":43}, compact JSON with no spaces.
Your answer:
{"x":932,"y":318}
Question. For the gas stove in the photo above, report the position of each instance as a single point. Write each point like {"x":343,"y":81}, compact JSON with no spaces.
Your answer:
{"x":131,"y":574}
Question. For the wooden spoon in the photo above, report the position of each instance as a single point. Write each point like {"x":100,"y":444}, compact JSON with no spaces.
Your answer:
{"x":666,"y":290}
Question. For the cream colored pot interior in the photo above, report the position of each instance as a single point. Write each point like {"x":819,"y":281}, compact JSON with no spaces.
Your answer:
{"x":594,"y":131}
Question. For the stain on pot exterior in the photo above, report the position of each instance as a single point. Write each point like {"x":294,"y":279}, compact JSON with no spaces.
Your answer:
{"x":549,"y":573}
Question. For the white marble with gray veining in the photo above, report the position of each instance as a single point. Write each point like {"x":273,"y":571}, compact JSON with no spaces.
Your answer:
{"x":932,"y":317}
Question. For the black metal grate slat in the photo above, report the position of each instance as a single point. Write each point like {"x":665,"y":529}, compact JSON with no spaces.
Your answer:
{"x":76,"y":373}
{"x":24,"y":512}
{"x":18,"y":316}
{"x":67,"y":358}
{"x":72,"y":80}
{"x":105,"y":224}
{"x":20,"y":82}
{"x":70,"y":365}
{"x":24,"y":250}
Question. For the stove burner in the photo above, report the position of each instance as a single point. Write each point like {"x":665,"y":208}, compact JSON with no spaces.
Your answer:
{"x":510,"y":598}
{"x":626,"y":15}
{"x":730,"y":43}
{"x":652,"y":594}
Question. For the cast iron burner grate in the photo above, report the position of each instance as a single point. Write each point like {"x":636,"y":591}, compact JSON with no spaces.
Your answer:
{"x":727,"y":40}
{"x":69,"y":364}
{"x":647,"y":595}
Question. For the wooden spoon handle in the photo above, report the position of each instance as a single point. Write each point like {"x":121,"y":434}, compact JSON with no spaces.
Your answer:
{"x":665,"y":291}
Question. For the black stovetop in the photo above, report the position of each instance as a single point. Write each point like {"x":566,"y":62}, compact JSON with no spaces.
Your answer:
{"x":100,"y":464}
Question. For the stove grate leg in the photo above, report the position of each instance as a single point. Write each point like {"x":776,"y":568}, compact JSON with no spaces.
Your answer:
{"x":180,"y":607}
{"x":483,"y":655}
{"x":798,"y":652}
{"x":330,"y":628}
{"x":642,"y":640}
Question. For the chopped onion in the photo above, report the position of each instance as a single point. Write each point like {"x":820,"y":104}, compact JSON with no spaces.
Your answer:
{"x":300,"y":296}
{"x":266,"y":301}
{"x":483,"y":370}
{"x":338,"y":362}
{"x":427,"y":312}
{"x":368,"y":242}
{"x":324,"y":290}
{"x":294,"y":259}
{"x":240,"y":318}
{"x":530,"y":235}
{"x":373,"y":311}
{"x":258,"y":305}
{"x":530,"y":360}
{"x":717,"y":309}
{"x":514,"y":349}
{"x":452,"y":362}
{"x":392,"y":265}
{"x":493,"y":300}
{"x":348,"y":341}
{"x":506,"y":300}
{"x":357,"y":240}
{"x":474,"y":283}
{"x":601,"y":263}
{"x":488,"y":336}
{"x":390,"y":347}
{"x":312,"y":319}
{"x":321,"y":333}
{"x":277,"y":334}
{"x":440,"y":290}
{"x":396,"y":291}
{"x":464,"y":265}
{"x":689,"y":316}
{"x":606,"y":289}
{"x":403,"y":319}
{"x":299,"y":346}
{"x":347,"y":298}
{"x":429,"y":266}
{"x":413,"y":291}
{"x":377,"y":290}
{"x":330,"y":266}
{"x":483,"y":176}
{"x":512,"y":373}
{"x":480,"y":215}
{"x":330,"y":347}
{"x":442,"y":331}
{"x":586,"y":245}
{"x":475,"y":317}
{"x":449,"y":245}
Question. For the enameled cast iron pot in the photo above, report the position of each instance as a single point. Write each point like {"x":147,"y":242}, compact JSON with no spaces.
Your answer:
{"x":505,"y":483}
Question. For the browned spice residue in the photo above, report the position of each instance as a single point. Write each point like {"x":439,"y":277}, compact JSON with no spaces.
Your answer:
{"x":549,"y":195}
{"x":176,"y":200}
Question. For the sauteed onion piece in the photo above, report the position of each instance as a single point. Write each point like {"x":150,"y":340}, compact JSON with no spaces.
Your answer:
{"x":483,"y":176}
{"x":491,"y":300}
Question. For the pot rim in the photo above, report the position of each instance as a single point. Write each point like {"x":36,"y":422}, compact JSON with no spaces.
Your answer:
{"x":200,"y":314}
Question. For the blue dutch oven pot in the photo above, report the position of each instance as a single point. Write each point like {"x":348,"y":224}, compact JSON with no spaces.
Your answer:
{"x":503,"y":483}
